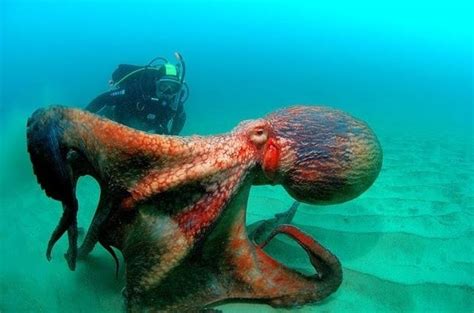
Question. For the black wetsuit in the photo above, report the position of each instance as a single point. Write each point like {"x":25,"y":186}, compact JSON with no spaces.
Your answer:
{"x":135,"y":104}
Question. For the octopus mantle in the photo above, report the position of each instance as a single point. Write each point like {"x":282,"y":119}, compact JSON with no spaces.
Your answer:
{"x":175,"y":206}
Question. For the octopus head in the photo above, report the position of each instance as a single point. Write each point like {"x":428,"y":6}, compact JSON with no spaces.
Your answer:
{"x":320,"y":155}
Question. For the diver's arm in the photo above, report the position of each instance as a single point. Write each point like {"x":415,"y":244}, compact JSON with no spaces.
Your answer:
{"x":178,"y":121}
{"x":96,"y":105}
{"x":107,"y":98}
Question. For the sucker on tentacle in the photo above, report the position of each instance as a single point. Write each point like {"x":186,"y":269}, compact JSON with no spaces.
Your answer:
{"x":175,"y":207}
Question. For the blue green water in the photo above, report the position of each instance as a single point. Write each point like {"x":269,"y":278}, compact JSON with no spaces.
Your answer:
{"x":405,"y":67}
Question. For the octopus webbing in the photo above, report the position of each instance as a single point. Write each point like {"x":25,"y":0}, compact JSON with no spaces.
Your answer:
{"x":175,"y":207}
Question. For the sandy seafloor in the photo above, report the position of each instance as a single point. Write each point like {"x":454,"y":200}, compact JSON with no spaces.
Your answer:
{"x":406,"y":245}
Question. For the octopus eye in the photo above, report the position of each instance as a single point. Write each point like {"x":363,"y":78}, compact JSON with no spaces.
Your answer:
{"x":259,"y":136}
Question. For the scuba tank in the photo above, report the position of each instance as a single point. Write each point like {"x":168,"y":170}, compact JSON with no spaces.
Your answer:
{"x":128,"y":74}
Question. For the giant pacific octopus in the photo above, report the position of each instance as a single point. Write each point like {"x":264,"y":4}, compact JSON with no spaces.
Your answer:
{"x":175,"y":207}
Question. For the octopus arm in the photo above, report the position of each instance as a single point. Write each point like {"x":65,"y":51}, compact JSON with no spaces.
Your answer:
{"x":66,"y":143}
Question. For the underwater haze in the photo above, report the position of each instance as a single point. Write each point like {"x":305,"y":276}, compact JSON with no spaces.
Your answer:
{"x":404,"y":67}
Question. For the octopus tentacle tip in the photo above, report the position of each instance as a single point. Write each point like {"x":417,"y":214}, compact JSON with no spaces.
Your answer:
{"x":50,"y":247}
{"x":71,"y":261}
{"x":176,"y":207}
{"x":48,"y":256}
{"x":111,"y":251}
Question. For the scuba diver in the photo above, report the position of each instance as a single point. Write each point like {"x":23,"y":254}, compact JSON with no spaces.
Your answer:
{"x":149,"y":98}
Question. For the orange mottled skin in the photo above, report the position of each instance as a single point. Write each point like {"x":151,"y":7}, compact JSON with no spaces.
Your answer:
{"x":175,"y":206}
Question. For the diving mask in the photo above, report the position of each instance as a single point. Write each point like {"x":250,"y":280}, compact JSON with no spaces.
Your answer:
{"x":169,"y":91}
{"x":167,"y":87}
